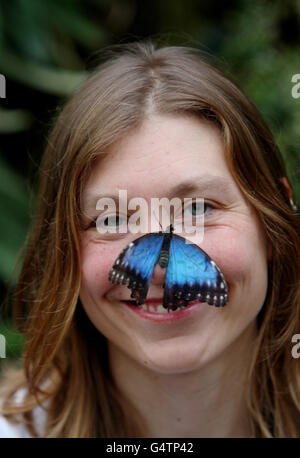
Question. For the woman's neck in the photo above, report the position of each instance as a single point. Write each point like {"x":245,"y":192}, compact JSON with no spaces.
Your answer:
{"x":208,"y":402}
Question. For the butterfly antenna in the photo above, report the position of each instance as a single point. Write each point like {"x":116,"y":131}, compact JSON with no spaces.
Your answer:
{"x":161,"y":229}
{"x":170,"y":228}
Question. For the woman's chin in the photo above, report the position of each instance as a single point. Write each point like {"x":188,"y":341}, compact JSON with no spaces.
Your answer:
{"x":174,"y":361}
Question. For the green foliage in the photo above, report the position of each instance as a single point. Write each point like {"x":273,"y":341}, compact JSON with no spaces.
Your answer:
{"x":14,"y":218}
{"x":263,"y":65}
{"x":37,"y":50}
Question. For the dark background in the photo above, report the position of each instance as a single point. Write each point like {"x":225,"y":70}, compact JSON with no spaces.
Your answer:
{"x":47,"y":46}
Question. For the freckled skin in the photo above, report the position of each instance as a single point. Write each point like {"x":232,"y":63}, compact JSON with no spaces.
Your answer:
{"x":147,"y":162}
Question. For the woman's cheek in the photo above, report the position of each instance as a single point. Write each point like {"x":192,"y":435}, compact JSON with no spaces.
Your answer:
{"x":235,"y":260}
{"x":96,"y":261}
{"x":236,"y":253}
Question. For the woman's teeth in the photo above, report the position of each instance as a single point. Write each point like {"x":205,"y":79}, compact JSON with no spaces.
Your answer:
{"x":155,"y":308}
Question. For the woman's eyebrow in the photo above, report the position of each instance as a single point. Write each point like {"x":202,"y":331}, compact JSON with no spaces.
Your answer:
{"x":199,"y":184}
{"x":193,"y":185}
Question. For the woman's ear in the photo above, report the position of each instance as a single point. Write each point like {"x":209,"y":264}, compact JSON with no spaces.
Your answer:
{"x":289,"y":191}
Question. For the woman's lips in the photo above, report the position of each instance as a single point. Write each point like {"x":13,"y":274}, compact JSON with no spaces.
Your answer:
{"x":153,"y":310}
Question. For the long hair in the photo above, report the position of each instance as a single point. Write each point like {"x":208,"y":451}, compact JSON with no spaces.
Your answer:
{"x":64,"y":363}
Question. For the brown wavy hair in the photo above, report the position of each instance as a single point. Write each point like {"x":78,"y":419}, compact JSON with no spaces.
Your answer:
{"x":65,"y":359}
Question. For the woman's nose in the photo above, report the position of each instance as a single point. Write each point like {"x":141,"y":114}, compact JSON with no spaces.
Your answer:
{"x":158,"y":276}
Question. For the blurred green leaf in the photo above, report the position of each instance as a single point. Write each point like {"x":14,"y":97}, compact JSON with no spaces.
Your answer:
{"x":41,"y":27}
{"x":58,"y":81}
{"x":76,"y":25}
{"x":14,"y":218}
{"x":13,"y":121}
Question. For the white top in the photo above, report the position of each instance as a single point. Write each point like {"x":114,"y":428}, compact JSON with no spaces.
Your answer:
{"x":11,"y":430}
{"x":19,"y":430}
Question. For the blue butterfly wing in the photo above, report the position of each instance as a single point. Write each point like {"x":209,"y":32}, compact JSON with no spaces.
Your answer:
{"x":134,"y":266}
{"x":192,"y":275}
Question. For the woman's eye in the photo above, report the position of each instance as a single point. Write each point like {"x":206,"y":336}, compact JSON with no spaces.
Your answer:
{"x":110,"y":223}
{"x":113,"y":221}
{"x":197,"y":209}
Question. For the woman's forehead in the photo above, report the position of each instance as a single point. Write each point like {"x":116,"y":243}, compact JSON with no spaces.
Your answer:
{"x":184,"y":159}
{"x":166,"y":148}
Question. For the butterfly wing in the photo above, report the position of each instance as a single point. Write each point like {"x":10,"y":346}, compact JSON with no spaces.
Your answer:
{"x":192,"y":275}
{"x":134,"y":266}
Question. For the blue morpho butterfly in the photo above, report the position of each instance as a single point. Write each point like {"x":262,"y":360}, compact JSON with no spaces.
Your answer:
{"x":191,"y":274}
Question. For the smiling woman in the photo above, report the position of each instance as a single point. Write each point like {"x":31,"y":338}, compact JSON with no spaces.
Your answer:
{"x":159,"y":123}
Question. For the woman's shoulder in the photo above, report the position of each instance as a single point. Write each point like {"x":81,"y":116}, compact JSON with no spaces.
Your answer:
{"x":11,"y":430}
{"x":19,"y":430}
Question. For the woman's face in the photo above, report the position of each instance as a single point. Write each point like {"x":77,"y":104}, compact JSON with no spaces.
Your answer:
{"x":163,"y":153}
